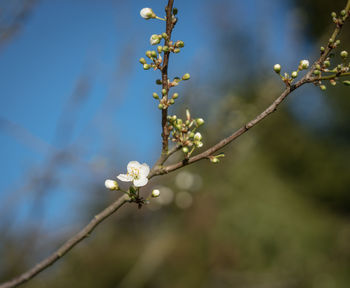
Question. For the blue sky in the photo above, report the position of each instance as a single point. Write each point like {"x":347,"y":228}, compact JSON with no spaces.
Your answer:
{"x":64,"y":42}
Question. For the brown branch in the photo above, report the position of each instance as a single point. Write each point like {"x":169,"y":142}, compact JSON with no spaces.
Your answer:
{"x":66,"y":247}
{"x":169,"y":29}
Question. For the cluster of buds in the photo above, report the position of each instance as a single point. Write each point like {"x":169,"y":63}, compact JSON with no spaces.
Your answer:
{"x":341,"y":69}
{"x":339,"y":19}
{"x":156,"y":55}
{"x":288,"y":79}
{"x":184,"y":132}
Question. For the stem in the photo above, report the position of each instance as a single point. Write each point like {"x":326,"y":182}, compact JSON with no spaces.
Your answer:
{"x":169,"y":28}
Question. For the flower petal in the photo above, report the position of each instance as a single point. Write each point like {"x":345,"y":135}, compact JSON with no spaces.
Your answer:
{"x":144,"y":170}
{"x":140,"y":182}
{"x":125,"y":177}
{"x":133,"y":165}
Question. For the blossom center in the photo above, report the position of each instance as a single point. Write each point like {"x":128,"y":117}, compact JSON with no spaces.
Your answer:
{"x":135,"y":173}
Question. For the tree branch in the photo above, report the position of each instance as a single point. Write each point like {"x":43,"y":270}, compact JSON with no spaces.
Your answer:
{"x":158,"y":169}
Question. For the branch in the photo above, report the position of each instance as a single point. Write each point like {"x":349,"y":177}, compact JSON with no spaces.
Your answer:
{"x":158,"y":169}
{"x":169,"y":29}
{"x":66,"y":247}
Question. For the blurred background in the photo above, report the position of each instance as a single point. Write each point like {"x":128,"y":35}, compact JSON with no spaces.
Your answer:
{"x":76,"y":106}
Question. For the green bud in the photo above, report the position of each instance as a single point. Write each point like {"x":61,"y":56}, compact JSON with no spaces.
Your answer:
{"x":214,"y":160}
{"x":160,"y":106}
{"x":322,"y":49}
{"x":155,"y":193}
{"x":317,"y":72}
{"x":175,"y":11}
{"x":164,"y":91}
{"x":344,"y":54}
{"x":171,"y":101}
{"x":330,"y":40}
{"x":149,"y":54}
{"x":177,"y":50}
{"x":318,"y":67}
{"x":199,"y":121}
{"x":323,"y":87}
{"x":185,"y":150}
{"x":327,"y":63}
{"x":179,"y":121}
{"x":277,"y":68}
{"x":154,"y":54}
{"x":333,"y":82}
{"x":164,"y":35}
{"x":155,"y":95}
{"x":179,"y":44}
{"x":159,"y":49}
{"x":333,"y":14}
{"x":337,"y":42}
{"x":191,"y":135}
{"x":186,"y":76}
{"x":159,"y":82}
{"x":146,"y":66}
{"x":173,"y":118}
{"x":175,"y":95}
{"x":142,"y":60}
{"x":346,"y":82}
{"x":177,"y":79}
{"x":165,"y":48}
{"x":294,"y":74}
{"x":342,"y":12}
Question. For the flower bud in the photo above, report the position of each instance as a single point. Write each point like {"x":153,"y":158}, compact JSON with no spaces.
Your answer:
{"x":322,"y":49}
{"x":111,"y":184}
{"x":214,"y":160}
{"x":277,"y":68}
{"x":164,"y":91}
{"x":188,"y":114}
{"x":155,"y":95}
{"x":333,"y":14}
{"x":333,"y":82}
{"x":147,"y":13}
{"x":153,"y":54}
{"x":148,"y":54}
{"x":304,"y":64}
{"x":155,"y":193}
{"x":175,"y":11}
{"x":171,"y":101}
{"x":199,"y":121}
{"x":142,"y":60}
{"x":343,"y":12}
{"x":160,"y":106}
{"x":154,"y":40}
{"x":146,"y":66}
{"x":186,"y":76}
{"x":294,"y":74}
{"x":159,"y":49}
{"x":164,"y":35}
{"x":346,"y":82}
{"x":185,"y":149}
{"x":344,"y":54}
{"x":175,"y":95}
{"x":317,"y":72}
{"x":177,"y":50}
{"x":179,"y":44}
{"x":327,"y":63}
{"x":165,"y":48}
{"x":197,"y":136}
{"x":323,"y":87}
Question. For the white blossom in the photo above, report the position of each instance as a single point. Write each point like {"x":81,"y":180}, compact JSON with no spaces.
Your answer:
{"x":146,"y":13}
{"x":197,"y":136}
{"x":137,"y":173}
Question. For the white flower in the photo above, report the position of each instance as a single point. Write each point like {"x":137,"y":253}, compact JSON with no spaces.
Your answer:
{"x":304,"y":64}
{"x":147,"y":13}
{"x":111,"y":184}
{"x":155,"y":193}
{"x":137,"y":173}
{"x":154,"y":40}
